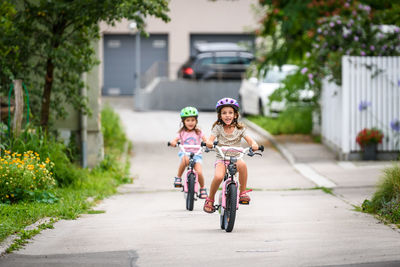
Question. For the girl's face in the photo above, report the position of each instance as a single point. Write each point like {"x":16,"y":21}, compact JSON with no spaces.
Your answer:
{"x":228,"y":115}
{"x":190,"y":123}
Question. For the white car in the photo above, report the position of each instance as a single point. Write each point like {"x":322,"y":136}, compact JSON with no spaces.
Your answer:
{"x":254,"y":93}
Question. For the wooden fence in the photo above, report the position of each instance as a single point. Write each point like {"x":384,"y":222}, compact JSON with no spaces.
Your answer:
{"x":369,"y":97}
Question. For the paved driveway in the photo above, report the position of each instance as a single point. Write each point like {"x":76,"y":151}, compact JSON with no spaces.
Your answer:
{"x":287,"y":223}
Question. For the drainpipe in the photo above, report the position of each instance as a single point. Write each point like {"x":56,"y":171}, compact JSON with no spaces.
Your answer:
{"x":84,"y":125}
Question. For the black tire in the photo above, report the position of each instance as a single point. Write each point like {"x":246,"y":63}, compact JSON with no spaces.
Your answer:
{"x":230,"y":211}
{"x":190,"y":195}
{"x":221,"y":214}
{"x":261,"y":108}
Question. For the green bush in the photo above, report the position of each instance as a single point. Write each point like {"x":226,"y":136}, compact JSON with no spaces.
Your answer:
{"x":24,"y":174}
{"x":112,"y":130}
{"x":34,"y":139}
{"x":294,"y":120}
{"x":386,"y":200}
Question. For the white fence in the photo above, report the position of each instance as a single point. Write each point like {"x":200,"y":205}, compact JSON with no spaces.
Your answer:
{"x":373,"y":83}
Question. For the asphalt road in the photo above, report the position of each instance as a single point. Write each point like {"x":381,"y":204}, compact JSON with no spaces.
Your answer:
{"x":287,"y":224}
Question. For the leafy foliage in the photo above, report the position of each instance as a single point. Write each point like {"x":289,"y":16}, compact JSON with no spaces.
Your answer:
{"x":294,"y":120}
{"x":386,"y":200}
{"x":315,"y":34}
{"x":112,"y":130}
{"x":54,"y":45}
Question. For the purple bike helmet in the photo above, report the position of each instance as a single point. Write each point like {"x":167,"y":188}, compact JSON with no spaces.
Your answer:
{"x":226,"y":101}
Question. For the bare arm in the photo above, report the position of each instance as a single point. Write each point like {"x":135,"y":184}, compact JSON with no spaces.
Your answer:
{"x":210,"y":141}
{"x":175,"y":141}
{"x":251,"y":143}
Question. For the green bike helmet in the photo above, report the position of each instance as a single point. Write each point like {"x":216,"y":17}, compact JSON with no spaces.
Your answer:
{"x":189,"y":112}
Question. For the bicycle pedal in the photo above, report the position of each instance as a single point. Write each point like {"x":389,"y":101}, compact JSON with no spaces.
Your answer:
{"x":244,"y":202}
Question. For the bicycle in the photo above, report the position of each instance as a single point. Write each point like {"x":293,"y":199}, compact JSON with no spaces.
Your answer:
{"x":190,"y":179}
{"x":229,"y":196}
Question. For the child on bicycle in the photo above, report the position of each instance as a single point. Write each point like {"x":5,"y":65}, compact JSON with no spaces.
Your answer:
{"x":189,"y":134}
{"x":229,"y":132}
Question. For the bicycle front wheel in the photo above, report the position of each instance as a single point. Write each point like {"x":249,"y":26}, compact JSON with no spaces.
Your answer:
{"x":230,"y":211}
{"x":190,"y":195}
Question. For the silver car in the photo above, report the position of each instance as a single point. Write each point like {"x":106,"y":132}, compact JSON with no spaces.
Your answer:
{"x":254,"y":92}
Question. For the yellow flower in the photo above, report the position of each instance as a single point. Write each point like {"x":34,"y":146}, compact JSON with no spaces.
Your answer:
{"x":7,"y":151}
{"x":42,"y":166}
{"x":47,"y":160}
{"x":18,"y":155}
{"x":6,"y":196}
{"x":12,"y":195}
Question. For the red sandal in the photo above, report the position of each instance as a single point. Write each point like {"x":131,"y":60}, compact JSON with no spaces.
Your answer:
{"x":209,"y":205}
{"x":244,"y":199}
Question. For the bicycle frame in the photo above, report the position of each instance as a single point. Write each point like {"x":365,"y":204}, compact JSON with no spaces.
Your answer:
{"x":190,"y":167}
{"x":230,"y":171}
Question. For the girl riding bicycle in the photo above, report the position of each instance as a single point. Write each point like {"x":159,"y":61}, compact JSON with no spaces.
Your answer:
{"x":229,"y":132}
{"x":189,"y":134}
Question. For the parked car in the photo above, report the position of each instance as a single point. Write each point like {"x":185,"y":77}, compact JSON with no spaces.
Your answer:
{"x":254,"y":92}
{"x":216,"y":61}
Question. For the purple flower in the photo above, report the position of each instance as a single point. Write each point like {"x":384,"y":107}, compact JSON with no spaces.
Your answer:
{"x":356,"y":38}
{"x":347,"y":5}
{"x":310,"y":76}
{"x":372,"y":48}
{"x":308,"y":54}
{"x":332,"y":24}
{"x":364,"y":105}
{"x":304,"y":70}
{"x":319,"y":30}
{"x":339,"y":22}
{"x":398,"y":83}
{"x":311,"y":81}
{"x":395,"y":125}
{"x":362,"y":53}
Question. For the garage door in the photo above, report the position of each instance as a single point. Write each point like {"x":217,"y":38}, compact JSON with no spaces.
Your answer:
{"x":120,"y":60}
{"x":245,"y":39}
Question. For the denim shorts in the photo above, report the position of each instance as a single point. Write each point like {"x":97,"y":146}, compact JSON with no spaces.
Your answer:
{"x":197,"y":158}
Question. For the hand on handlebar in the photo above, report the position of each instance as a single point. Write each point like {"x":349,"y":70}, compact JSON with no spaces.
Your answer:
{"x":173,"y":143}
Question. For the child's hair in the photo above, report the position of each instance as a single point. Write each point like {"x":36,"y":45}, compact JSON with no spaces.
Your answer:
{"x":183,"y":128}
{"x":235,"y":121}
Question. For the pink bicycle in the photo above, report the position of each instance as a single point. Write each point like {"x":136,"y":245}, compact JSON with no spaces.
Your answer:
{"x":229,"y":196}
{"x":190,"y":179}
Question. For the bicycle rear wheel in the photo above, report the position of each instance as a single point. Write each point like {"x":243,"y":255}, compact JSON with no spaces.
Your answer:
{"x":190,"y":195}
{"x":230,"y":210}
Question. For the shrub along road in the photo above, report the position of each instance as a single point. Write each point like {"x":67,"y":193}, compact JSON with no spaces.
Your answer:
{"x":287,"y":224}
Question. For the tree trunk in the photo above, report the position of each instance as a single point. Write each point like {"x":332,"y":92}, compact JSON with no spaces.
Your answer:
{"x":45,"y":113}
{"x":19,"y":107}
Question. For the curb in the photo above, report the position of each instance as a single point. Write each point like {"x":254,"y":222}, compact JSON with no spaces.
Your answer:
{"x":302,"y":168}
{"x":10,"y":240}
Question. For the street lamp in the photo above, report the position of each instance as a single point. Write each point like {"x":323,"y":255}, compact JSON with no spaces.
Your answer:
{"x":134,"y":29}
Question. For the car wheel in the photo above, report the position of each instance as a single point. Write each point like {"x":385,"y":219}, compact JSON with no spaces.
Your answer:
{"x":241,"y":109}
{"x":261,"y":108}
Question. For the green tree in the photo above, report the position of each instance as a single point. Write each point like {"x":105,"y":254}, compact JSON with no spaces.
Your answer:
{"x":315,"y":34}
{"x":54,"y":40}
{"x":291,"y":25}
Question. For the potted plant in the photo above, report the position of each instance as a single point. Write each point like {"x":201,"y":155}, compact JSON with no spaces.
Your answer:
{"x":369,"y":139}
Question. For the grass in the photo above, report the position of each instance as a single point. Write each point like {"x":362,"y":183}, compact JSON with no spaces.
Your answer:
{"x":294,"y":120}
{"x":385,"y":202}
{"x":76,"y":198}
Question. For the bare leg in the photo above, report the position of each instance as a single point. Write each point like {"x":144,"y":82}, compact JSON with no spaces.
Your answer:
{"x":182,"y":166}
{"x":218,"y":177}
{"x":242,"y":169}
{"x":199,"y":171}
